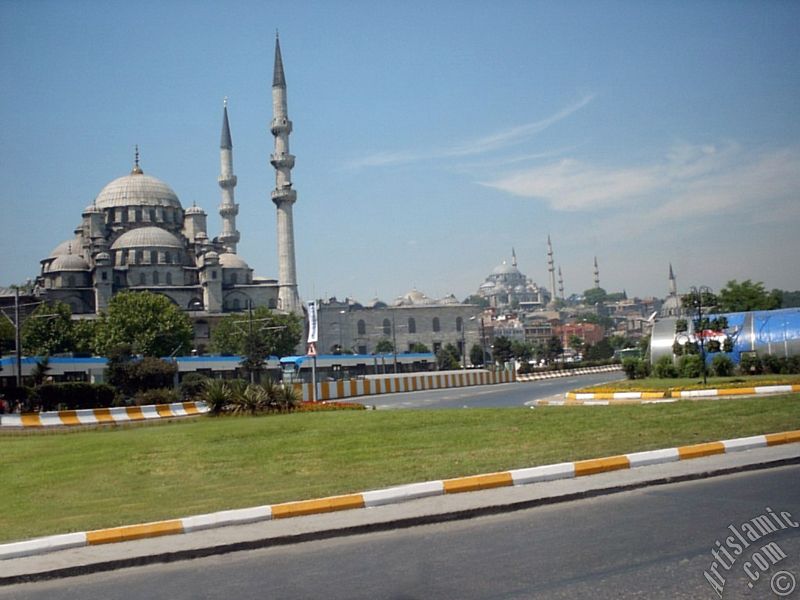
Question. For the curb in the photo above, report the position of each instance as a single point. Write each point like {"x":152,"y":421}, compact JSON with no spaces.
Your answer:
{"x":100,"y":416}
{"x":568,"y":373}
{"x":403,"y":493}
{"x":606,"y":398}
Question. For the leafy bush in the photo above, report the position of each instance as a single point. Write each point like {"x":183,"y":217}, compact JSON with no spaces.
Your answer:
{"x":192,"y":385}
{"x":156,"y":396}
{"x":750,"y":364}
{"x":772,"y":364}
{"x":75,"y":395}
{"x":216,"y":394}
{"x":642,"y":368}
{"x":664,"y":369}
{"x":722,"y":365}
{"x":131,"y":376}
{"x":690,"y":366}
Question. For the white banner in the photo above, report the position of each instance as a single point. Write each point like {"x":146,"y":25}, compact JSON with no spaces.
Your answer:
{"x":312,"y":323}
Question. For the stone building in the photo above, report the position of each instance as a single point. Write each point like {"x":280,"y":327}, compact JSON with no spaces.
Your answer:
{"x":412,"y":319}
{"x":506,"y":287}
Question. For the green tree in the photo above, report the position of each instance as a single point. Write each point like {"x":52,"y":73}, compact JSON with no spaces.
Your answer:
{"x":48,"y":330}
{"x":738,"y":297}
{"x":476,"y":356}
{"x":788,"y":299}
{"x":602,"y":350}
{"x":521,"y":350}
{"x":7,"y":336}
{"x":594,"y":295}
{"x":554,"y":347}
{"x":274,"y":333}
{"x":419,"y":348}
{"x":448,"y":358}
{"x":576,"y":343}
{"x":384,"y":346}
{"x":150,"y":323}
{"x":502,"y":350}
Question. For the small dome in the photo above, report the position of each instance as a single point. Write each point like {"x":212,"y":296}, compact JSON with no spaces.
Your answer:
{"x":450,"y":299}
{"x":211,"y":255}
{"x":137,"y":189}
{"x":146,"y":237}
{"x":413,"y":298}
{"x":92,"y":209}
{"x":103,"y":257}
{"x":228,"y":260}
{"x":194,"y":210}
{"x":66,"y":247}
{"x":68,"y":262}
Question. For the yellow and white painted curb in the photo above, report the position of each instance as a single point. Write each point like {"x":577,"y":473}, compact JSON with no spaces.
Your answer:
{"x":402,"y":493}
{"x":99,"y":416}
{"x":411,"y":382}
{"x":568,"y":373}
{"x":610,"y":398}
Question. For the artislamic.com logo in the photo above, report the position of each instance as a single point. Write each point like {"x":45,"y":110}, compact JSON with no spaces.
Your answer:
{"x":758,"y":559}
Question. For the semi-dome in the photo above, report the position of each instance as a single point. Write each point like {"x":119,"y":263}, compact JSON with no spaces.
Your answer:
{"x":68,"y":262}
{"x":413,"y":298}
{"x":137,"y":189}
{"x":228,"y":260}
{"x":146,"y":237}
{"x":66,"y":247}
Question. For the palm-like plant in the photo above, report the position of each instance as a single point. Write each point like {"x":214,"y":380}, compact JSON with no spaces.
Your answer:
{"x":216,"y":394}
{"x":287,"y":398}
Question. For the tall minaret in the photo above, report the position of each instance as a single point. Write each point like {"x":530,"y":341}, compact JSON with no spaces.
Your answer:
{"x":513,"y":257}
{"x":283,"y":195}
{"x":552,"y":270}
{"x":227,"y":181}
{"x":673,"y":285}
{"x":560,"y":284}
{"x":596,"y":274}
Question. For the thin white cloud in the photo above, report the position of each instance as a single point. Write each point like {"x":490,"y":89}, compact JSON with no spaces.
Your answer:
{"x":477,"y":146}
{"x":692,"y":181}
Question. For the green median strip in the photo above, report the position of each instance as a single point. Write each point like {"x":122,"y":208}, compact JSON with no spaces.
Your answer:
{"x":87,"y":480}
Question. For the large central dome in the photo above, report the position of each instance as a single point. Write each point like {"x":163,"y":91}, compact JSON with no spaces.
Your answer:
{"x":137,"y":189}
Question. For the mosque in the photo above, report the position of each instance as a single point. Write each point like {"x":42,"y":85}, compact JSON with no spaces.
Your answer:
{"x":137,"y":236}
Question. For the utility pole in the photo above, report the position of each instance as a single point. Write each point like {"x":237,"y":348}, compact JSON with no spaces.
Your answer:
{"x":17,"y":336}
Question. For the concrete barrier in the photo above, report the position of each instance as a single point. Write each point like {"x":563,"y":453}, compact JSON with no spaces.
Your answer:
{"x":94,"y":416}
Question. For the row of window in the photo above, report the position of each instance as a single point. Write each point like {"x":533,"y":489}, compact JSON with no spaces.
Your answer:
{"x":163,"y":215}
{"x":411,"y":326}
{"x":137,"y":257}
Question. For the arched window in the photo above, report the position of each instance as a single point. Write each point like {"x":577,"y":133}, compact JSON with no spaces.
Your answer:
{"x":235,"y":304}
{"x":153,"y":256}
{"x":169,"y":278}
{"x":233,"y":278}
{"x":387,"y":327}
{"x":138,"y":215}
{"x":142,"y":279}
{"x":167,"y":258}
{"x":70,"y":280}
{"x":436,"y":325}
{"x":153,"y":215}
{"x":412,"y":325}
{"x":362,"y":327}
{"x":155,"y":278}
{"x":459,"y":323}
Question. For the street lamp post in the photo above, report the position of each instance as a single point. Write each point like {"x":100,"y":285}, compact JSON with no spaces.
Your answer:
{"x":697,"y":300}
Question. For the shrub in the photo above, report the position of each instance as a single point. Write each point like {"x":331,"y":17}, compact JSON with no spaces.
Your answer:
{"x":74,"y":395}
{"x":771,"y":364}
{"x":192,"y":385}
{"x":156,"y":396}
{"x":722,"y":365}
{"x":629,"y":366}
{"x":750,"y":364}
{"x":690,"y":366}
{"x":664,"y":369}
{"x":642,"y":368}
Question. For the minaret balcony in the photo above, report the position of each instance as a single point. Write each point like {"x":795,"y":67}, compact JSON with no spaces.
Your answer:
{"x":227,"y":182}
{"x":228,"y":210}
{"x":284,"y":194}
{"x":282,"y":160}
{"x":280,"y":125}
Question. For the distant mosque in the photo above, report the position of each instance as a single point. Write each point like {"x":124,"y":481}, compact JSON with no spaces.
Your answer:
{"x":137,"y":236}
{"x":506,"y":286}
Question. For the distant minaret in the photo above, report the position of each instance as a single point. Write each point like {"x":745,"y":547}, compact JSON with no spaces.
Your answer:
{"x":283,"y":196}
{"x":227,"y":181}
{"x":596,"y":274}
{"x":513,"y":257}
{"x":551,"y":269}
{"x":673,"y":285}
{"x":560,"y":284}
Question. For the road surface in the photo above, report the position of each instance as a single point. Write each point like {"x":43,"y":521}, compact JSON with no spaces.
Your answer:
{"x":654,"y":542}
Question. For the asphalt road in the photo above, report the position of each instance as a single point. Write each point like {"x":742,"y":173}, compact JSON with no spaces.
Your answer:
{"x":650,"y":543}
{"x":490,"y":396}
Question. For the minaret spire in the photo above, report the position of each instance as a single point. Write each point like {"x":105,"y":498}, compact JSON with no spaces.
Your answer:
{"x":552,"y":270}
{"x":673,"y":285}
{"x":227,"y":181}
{"x":596,"y":274}
{"x":137,"y":170}
{"x":513,"y":257}
{"x":283,"y":195}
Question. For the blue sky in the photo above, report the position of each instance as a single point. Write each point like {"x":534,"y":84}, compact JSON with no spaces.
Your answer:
{"x":431,"y":137}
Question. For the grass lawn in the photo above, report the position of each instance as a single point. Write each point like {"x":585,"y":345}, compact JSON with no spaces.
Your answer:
{"x":652,"y":384}
{"x":75,"y":481}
